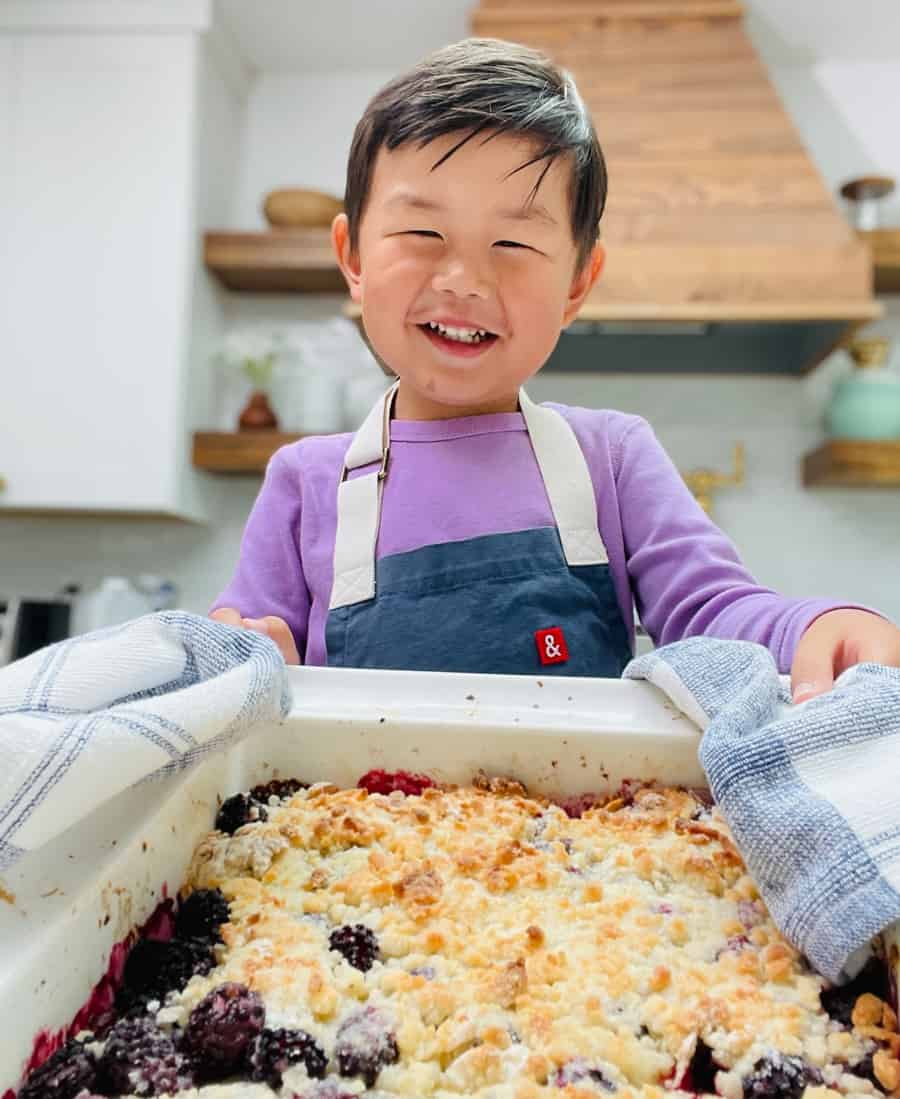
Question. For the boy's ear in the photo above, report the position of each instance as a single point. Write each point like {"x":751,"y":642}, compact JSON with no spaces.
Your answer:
{"x":583,"y":283}
{"x":348,"y":260}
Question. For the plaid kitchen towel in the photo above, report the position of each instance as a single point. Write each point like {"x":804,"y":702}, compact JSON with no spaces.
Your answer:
{"x":809,"y":791}
{"x":87,"y":718}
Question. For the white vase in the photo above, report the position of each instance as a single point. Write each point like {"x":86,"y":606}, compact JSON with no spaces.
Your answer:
{"x":363,"y":390}
{"x":322,"y":406}
{"x":307,"y":396}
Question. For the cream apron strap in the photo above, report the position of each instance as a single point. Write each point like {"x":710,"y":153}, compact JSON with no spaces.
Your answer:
{"x":560,"y":459}
{"x":359,"y":508}
{"x":568,"y":483}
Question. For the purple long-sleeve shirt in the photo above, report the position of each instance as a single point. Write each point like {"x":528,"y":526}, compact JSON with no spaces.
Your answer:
{"x":455,"y":479}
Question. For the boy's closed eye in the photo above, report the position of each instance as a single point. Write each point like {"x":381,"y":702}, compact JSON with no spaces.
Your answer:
{"x":437,"y":236}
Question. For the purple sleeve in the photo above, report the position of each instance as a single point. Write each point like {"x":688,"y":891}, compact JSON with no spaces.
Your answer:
{"x":686,"y":575}
{"x":268,"y":577}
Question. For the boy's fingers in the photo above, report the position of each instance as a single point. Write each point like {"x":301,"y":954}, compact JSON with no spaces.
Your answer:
{"x":881,"y":651}
{"x":808,"y":689}
{"x":280,"y":632}
{"x":228,"y":615}
{"x":812,"y":674}
{"x":270,"y":626}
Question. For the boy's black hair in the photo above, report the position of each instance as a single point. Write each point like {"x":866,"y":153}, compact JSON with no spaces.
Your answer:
{"x":485,"y":85}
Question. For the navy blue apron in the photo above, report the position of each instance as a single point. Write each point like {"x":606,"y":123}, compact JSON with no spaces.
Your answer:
{"x":534,"y":602}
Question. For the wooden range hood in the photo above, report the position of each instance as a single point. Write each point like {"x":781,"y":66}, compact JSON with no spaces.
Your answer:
{"x":718,"y":227}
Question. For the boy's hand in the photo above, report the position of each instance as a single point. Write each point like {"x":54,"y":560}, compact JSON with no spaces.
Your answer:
{"x":273,"y":627}
{"x":836,"y":641}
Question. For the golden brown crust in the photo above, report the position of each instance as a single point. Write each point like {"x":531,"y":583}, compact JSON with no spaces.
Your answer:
{"x":515,"y":941}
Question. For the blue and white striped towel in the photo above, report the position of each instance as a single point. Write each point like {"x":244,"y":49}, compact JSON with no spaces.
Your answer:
{"x":810,"y":791}
{"x":87,"y":718}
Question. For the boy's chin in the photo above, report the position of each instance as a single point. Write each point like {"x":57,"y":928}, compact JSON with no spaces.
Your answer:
{"x":453,"y":397}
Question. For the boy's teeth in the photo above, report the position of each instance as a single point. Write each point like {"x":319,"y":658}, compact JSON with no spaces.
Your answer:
{"x":464,"y":335}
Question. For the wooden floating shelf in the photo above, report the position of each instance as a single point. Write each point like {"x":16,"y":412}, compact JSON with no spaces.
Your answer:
{"x":885,"y":245}
{"x":853,"y":463}
{"x":301,"y":261}
{"x":711,"y":312}
{"x":599,"y":11}
{"x":283,"y":261}
{"x":237,"y":451}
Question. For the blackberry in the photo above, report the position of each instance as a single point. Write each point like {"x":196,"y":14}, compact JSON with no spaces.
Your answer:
{"x":139,"y":1057}
{"x":238,"y":810}
{"x":866,"y":1070}
{"x":365,"y":1045}
{"x":201,"y":914}
{"x":155,"y":968}
{"x":277,"y":788}
{"x":701,"y":1072}
{"x":840,"y":1000}
{"x":357,"y":943}
{"x":579,"y":1069}
{"x":274,"y":1051}
{"x":222,"y":1026}
{"x":63,"y":1075}
{"x":780,"y":1077}
{"x":387,"y":782}
{"x":251,"y":808}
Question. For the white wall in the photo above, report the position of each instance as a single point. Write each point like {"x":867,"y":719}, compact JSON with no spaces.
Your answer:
{"x":840,"y":543}
{"x":867,"y":101}
{"x":298,"y":135}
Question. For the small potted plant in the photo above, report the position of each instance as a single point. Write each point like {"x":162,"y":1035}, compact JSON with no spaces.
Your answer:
{"x":254,"y":353}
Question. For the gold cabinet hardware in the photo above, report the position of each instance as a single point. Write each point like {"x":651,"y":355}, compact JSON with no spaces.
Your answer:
{"x":872,"y":351}
{"x":704,"y":482}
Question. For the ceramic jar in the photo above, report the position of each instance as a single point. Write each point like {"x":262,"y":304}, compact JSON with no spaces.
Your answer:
{"x":866,"y":404}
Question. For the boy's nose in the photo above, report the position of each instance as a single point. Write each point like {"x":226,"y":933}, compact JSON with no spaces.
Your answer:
{"x":462,"y":278}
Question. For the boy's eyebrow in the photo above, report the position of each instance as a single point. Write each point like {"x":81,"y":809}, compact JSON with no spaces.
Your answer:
{"x":533,"y":212}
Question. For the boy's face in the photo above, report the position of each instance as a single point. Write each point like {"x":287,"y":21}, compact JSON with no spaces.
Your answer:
{"x":461,"y":246}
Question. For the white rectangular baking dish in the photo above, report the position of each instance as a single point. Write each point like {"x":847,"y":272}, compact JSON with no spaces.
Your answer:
{"x":63,"y":908}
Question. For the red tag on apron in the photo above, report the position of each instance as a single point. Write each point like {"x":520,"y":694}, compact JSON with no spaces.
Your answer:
{"x":551,"y":645}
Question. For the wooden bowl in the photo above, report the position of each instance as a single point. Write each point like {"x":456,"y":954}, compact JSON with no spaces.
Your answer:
{"x":865,"y":187}
{"x":296,"y":208}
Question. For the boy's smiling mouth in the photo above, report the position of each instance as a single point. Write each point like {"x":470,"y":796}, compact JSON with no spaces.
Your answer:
{"x":457,"y":339}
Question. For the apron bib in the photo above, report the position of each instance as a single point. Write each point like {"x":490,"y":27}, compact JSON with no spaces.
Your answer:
{"x":533,"y":602}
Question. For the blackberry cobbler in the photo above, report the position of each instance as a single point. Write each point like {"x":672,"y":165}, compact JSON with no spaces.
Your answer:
{"x":405,"y":939}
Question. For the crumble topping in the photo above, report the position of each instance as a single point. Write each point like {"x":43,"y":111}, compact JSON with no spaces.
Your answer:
{"x":515,"y":941}
{"x":477,"y":941}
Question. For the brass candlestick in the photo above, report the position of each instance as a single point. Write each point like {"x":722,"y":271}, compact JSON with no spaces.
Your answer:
{"x":704,"y":482}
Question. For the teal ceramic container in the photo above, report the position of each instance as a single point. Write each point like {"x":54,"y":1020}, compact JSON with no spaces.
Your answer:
{"x":866,"y":404}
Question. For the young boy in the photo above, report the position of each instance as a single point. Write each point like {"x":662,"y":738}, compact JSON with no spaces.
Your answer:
{"x":464,"y":528}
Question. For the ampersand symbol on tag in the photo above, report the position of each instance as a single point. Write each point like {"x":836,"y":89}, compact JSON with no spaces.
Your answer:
{"x":551,"y":646}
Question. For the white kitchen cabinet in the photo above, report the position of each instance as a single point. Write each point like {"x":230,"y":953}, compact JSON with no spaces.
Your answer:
{"x":8,"y":59}
{"x":99,"y":213}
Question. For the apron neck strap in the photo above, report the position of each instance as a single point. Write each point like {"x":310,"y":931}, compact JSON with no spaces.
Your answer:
{"x":567,"y":480}
{"x":372,"y":443}
{"x":560,"y":459}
